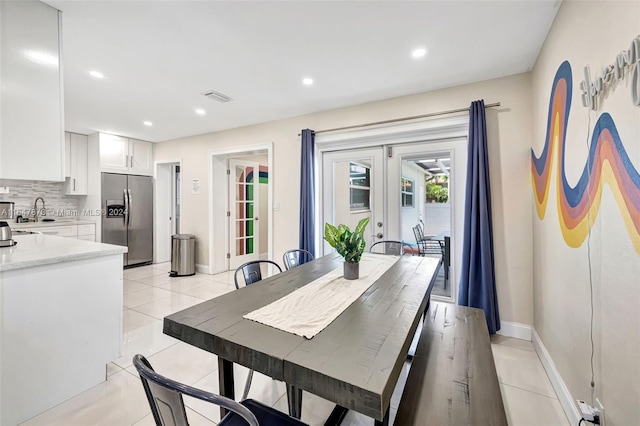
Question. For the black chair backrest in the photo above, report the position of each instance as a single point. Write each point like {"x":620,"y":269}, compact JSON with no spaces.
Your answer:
{"x":390,"y":247}
{"x":418,"y":234}
{"x":251,"y":271}
{"x":296,"y":257}
{"x":165,"y":397}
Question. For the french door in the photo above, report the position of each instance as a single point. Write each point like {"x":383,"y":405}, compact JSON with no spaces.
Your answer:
{"x":353,"y":189}
{"x":387,"y":184}
{"x":244,"y":205}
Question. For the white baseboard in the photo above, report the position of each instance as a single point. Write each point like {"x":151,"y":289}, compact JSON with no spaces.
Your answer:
{"x":203,"y":269}
{"x":566,"y":400}
{"x":514,"y":329}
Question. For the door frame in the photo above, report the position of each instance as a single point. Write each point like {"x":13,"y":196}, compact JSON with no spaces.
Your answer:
{"x":217,"y":159}
{"x":421,"y":131}
{"x":156,"y":200}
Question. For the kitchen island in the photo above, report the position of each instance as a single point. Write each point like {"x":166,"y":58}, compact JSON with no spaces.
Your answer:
{"x":60,"y":321}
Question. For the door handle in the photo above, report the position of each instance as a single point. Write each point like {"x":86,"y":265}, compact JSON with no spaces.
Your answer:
{"x":126,"y":208}
{"x":74,"y":184}
{"x":130,"y":204}
{"x":378,"y":235}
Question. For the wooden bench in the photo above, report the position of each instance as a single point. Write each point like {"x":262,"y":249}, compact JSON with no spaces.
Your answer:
{"x":452,"y":380}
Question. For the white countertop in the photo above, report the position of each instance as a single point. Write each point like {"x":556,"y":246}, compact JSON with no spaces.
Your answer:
{"x":41,"y":224}
{"x":37,"y":250}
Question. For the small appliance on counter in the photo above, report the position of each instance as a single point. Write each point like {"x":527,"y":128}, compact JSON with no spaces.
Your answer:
{"x":5,"y":235}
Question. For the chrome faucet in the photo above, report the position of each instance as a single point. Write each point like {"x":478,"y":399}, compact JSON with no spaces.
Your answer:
{"x":35,"y":209}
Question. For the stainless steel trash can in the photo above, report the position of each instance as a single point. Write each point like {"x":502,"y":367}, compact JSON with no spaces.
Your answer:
{"x":183,"y":255}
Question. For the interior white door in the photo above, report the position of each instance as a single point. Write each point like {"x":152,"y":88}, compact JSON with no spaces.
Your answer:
{"x":353,"y":188}
{"x":163,"y":213}
{"x":244,"y":205}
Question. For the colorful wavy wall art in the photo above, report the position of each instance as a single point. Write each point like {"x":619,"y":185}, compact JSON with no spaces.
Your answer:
{"x":608,"y":163}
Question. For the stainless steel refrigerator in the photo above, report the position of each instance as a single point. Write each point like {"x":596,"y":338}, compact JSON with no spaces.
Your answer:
{"x":128,"y":220}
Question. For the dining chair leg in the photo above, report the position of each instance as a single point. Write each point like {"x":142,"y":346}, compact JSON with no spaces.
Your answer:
{"x":225,"y":379}
{"x":247,"y":386}
{"x":294,"y":398}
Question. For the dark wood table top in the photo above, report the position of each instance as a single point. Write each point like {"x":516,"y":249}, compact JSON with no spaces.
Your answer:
{"x":355,"y":361}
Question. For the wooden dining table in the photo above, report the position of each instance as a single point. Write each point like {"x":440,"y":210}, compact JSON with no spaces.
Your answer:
{"x":354,"y":362}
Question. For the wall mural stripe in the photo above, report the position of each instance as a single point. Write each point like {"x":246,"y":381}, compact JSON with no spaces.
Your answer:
{"x":608,"y":163}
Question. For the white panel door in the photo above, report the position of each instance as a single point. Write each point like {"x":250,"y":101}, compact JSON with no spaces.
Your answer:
{"x":244,"y":205}
{"x":352,"y":189}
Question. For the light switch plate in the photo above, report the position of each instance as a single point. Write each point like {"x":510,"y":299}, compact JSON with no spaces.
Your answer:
{"x":276,"y":206}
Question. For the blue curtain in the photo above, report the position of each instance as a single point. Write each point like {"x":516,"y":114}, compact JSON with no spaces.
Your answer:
{"x":477,"y":281}
{"x":307,"y":193}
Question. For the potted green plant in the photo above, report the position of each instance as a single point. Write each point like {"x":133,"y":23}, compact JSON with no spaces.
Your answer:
{"x":349,"y":244}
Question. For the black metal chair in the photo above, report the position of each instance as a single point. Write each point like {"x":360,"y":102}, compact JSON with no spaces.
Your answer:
{"x":167,"y":405}
{"x":425,"y":244}
{"x":296,"y":257}
{"x":390,"y":247}
{"x":251,"y":271}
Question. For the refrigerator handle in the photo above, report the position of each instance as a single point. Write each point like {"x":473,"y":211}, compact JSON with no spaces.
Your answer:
{"x":130,"y":203}
{"x":126,"y":208}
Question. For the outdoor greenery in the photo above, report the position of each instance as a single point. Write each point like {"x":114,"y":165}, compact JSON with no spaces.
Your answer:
{"x":437,"y":191}
{"x":349,"y":244}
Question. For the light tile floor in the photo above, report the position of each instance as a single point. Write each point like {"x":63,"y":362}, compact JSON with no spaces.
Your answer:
{"x":150,"y":294}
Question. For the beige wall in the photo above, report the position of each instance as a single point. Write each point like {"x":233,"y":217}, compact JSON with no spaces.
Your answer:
{"x":509,"y":128}
{"x":590,"y":33}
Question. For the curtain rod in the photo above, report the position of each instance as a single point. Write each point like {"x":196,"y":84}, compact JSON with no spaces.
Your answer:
{"x":394,"y":120}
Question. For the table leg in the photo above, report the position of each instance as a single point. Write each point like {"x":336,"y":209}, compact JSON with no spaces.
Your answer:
{"x":225,"y":378}
{"x":337,"y":416}
{"x":385,"y":420}
{"x":294,"y":398}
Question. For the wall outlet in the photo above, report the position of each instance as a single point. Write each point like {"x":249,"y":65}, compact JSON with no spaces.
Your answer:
{"x":4,"y":189}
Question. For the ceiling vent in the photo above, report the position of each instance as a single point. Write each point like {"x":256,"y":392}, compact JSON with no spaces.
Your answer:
{"x":217,"y":96}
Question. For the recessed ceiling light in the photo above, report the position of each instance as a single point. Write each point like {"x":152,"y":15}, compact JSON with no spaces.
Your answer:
{"x":419,"y":53}
{"x":96,"y":74}
{"x":148,"y":123}
{"x":200,"y":111}
{"x":307,"y":81}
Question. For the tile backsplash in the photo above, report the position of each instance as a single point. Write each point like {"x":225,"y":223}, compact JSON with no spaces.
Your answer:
{"x":24,"y":193}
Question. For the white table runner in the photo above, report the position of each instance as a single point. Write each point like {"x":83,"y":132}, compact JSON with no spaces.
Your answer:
{"x":308,"y":310}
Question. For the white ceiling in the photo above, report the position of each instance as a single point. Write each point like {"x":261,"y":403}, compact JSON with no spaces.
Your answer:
{"x":159,"y":56}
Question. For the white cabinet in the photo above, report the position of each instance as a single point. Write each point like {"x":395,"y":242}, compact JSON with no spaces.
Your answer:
{"x":140,"y":157}
{"x":76,"y":155}
{"x":114,"y":153}
{"x":85,"y":232}
{"x":31,"y":135}
{"x":59,"y":231}
{"x":122,"y":155}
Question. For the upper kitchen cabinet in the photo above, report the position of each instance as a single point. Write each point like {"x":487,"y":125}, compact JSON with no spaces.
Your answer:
{"x":77,"y":178}
{"x":122,"y":155}
{"x":31,"y":108}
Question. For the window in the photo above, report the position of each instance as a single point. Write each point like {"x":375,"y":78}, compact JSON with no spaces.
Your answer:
{"x":359,"y":187}
{"x":407,"y":192}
